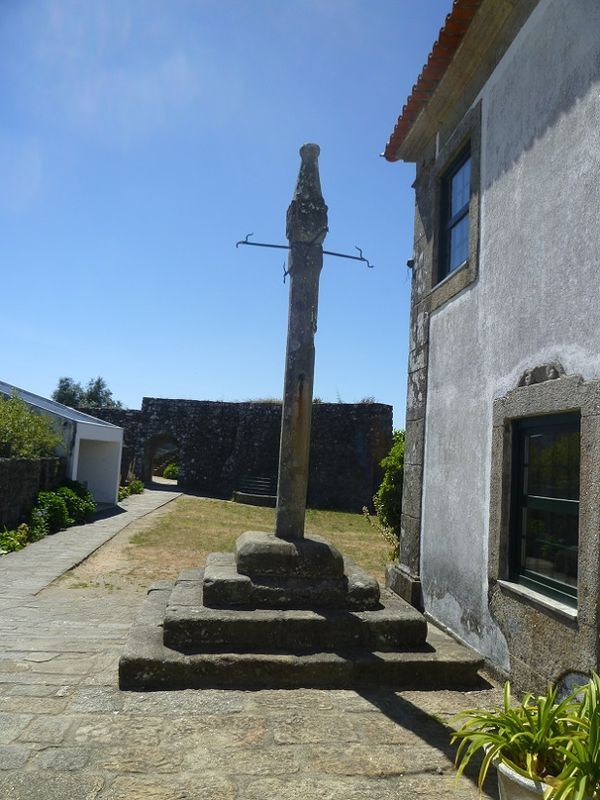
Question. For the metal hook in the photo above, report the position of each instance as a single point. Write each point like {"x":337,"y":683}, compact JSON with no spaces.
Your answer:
{"x":244,"y":241}
{"x":286,"y":272}
{"x":362,"y":258}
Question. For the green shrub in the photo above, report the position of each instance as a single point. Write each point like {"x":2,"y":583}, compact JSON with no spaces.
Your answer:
{"x":79,"y":489}
{"x":55,"y":511}
{"x":23,"y":433}
{"x":70,"y":504}
{"x":78,"y":509}
{"x":86,"y":506}
{"x":135,"y":486}
{"x":10,"y":541}
{"x":171,"y":471}
{"x":123,"y":492}
{"x":38,"y":524}
{"x":389,"y":494}
{"x":388,"y":500}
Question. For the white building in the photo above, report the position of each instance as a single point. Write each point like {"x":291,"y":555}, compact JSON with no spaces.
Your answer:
{"x":501,"y":509}
{"x":91,"y":446}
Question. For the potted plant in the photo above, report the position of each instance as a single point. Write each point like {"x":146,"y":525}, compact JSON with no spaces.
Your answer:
{"x":541,"y":747}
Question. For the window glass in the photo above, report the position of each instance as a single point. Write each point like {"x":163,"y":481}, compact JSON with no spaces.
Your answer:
{"x":460,"y":188}
{"x":550,"y":545}
{"x":545,"y":527}
{"x":459,"y":243}
{"x":553,"y":469}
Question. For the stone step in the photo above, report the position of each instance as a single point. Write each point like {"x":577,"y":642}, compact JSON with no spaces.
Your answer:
{"x":225,"y":587}
{"x":190,"y":626}
{"x":250,"y":499}
{"x":148,"y":665}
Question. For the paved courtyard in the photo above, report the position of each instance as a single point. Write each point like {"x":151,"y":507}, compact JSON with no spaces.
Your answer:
{"x":66,"y":731}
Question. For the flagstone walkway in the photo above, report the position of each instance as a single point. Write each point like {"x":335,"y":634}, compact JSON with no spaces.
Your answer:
{"x":66,"y":731}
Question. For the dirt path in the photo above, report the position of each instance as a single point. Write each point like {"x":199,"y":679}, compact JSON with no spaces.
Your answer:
{"x":122,"y":566}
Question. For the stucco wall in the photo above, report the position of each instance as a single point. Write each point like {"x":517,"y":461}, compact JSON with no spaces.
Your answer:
{"x":535,"y":300}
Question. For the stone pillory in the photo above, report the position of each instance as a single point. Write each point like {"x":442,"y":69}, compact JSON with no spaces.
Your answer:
{"x":286,"y":609}
{"x":306,"y":231}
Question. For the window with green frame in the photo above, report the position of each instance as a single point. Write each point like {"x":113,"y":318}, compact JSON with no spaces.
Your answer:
{"x":545,"y":504}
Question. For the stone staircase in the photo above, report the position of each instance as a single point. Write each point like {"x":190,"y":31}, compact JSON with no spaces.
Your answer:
{"x":283,"y":614}
{"x":256,"y":491}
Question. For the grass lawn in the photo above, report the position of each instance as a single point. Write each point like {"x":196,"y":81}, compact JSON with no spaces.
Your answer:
{"x":192,"y":527}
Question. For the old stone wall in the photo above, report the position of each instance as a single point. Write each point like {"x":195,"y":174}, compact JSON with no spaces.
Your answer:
{"x":222,"y":443}
{"x":20,"y":481}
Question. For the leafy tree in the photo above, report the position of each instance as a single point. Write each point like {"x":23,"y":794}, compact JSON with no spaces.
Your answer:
{"x":68,"y":392}
{"x":95,"y":395}
{"x":23,"y":432}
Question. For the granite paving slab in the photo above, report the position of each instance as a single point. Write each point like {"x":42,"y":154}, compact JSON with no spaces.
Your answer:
{"x":67,"y":731}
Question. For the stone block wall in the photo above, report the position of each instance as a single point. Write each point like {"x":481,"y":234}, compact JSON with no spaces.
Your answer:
{"x":222,"y":443}
{"x":20,"y":481}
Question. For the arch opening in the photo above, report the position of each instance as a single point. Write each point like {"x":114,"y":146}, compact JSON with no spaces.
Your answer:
{"x":162,"y":458}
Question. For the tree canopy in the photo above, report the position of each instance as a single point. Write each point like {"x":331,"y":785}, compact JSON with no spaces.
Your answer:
{"x":23,"y":432}
{"x":96,"y":394}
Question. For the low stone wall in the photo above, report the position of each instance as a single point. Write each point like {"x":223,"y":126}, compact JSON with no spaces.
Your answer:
{"x":20,"y":481}
{"x":221,"y":443}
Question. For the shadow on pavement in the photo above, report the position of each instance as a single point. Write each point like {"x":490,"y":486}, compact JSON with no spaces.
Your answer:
{"x":432,"y":730}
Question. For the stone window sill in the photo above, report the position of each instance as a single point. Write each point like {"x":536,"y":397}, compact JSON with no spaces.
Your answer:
{"x":550,"y":603}
{"x":451,"y":285}
{"x":451,"y":275}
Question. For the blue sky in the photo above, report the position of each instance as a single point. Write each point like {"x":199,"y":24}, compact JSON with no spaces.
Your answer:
{"x":140,"y":139}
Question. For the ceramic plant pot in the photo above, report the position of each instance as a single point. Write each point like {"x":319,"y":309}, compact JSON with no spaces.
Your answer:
{"x":513,"y":786}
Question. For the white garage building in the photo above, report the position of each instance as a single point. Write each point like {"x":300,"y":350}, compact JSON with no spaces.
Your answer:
{"x":91,"y":446}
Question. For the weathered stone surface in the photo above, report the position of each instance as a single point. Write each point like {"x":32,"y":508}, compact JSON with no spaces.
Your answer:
{"x":63,"y":759}
{"x":49,"y":786}
{"x":306,"y":229}
{"x":156,"y":787}
{"x":46,"y":729}
{"x":11,"y":726}
{"x":223,"y":585}
{"x":20,"y":481}
{"x":13,"y":756}
{"x":199,"y":628}
{"x":363,"y":590}
{"x":220,"y":443}
{"x":405,"y":585}
{"x":148,"y":664}
{"x":260,"y":554}
{"x":192,"y":704}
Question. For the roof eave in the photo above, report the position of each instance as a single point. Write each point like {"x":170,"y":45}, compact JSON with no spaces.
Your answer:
{"x":487,"y":37}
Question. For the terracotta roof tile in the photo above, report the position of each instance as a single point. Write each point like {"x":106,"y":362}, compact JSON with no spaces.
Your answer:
{"x":451,"y":35}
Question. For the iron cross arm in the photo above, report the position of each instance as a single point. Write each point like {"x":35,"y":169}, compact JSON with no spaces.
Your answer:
{"x":359,"y":257}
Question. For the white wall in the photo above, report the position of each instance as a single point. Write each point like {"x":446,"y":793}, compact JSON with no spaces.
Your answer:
{"x":98,"y":466}
{"x":536,"y":299}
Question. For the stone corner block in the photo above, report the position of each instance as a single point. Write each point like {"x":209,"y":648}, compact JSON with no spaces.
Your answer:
{"x":405,"y":585}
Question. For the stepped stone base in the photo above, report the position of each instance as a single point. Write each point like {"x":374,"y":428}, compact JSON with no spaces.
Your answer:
{"x":279,"y":614}
{"x":192,"y":626}
{"x":225,"y":587}
{"x":147,"y":664}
